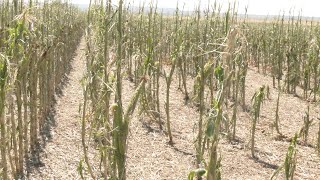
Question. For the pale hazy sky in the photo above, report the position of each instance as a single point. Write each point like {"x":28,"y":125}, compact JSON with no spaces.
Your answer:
{"x":258,"y":7}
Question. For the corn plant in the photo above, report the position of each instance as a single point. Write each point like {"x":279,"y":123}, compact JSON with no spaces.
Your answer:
{"x":240,"y":69}
{"x":307,"y":122}
{"x":213,"y":129}
{"x":214,"y":118}
{"x":109,"y":122}
{"x":318,"y":142}
{"x":243,"y":74}
{"x":290,"y":162}
{"x":276,"y":123}
{"x":196,"y":173}
{"x":257,"y":100}
{"x":313,"y":54}
{"x":168,"y":77}
{"x":3,"y":86}
{"x":33,"y":43}
{"x":200,"y":93}
{"x":235,"y":108}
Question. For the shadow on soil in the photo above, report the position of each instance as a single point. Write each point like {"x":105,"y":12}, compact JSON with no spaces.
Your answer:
{"x":263,"y":162}
{"x":182,"y":151}
{"x":149,"y":128}
{"x":289,"y":139}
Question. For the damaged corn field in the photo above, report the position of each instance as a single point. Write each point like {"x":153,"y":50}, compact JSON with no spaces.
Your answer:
{"x":118,"y":91}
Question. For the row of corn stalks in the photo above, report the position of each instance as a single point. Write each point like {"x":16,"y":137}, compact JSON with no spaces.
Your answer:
{"x":211,"y":47}
{"x":36,"y":45}
{"x":287,"y":48}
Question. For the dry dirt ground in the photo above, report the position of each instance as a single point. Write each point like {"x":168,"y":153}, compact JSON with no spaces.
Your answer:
{"x":150,"y":156}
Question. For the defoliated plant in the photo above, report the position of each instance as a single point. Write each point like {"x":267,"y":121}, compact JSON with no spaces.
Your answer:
{"x":276,"y":123}
{"x":290,"y":162}
{"x":318,"y":143}
{"x":307,"y":123}
{"x":257,"y":101}
{"x":3,"y":138}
